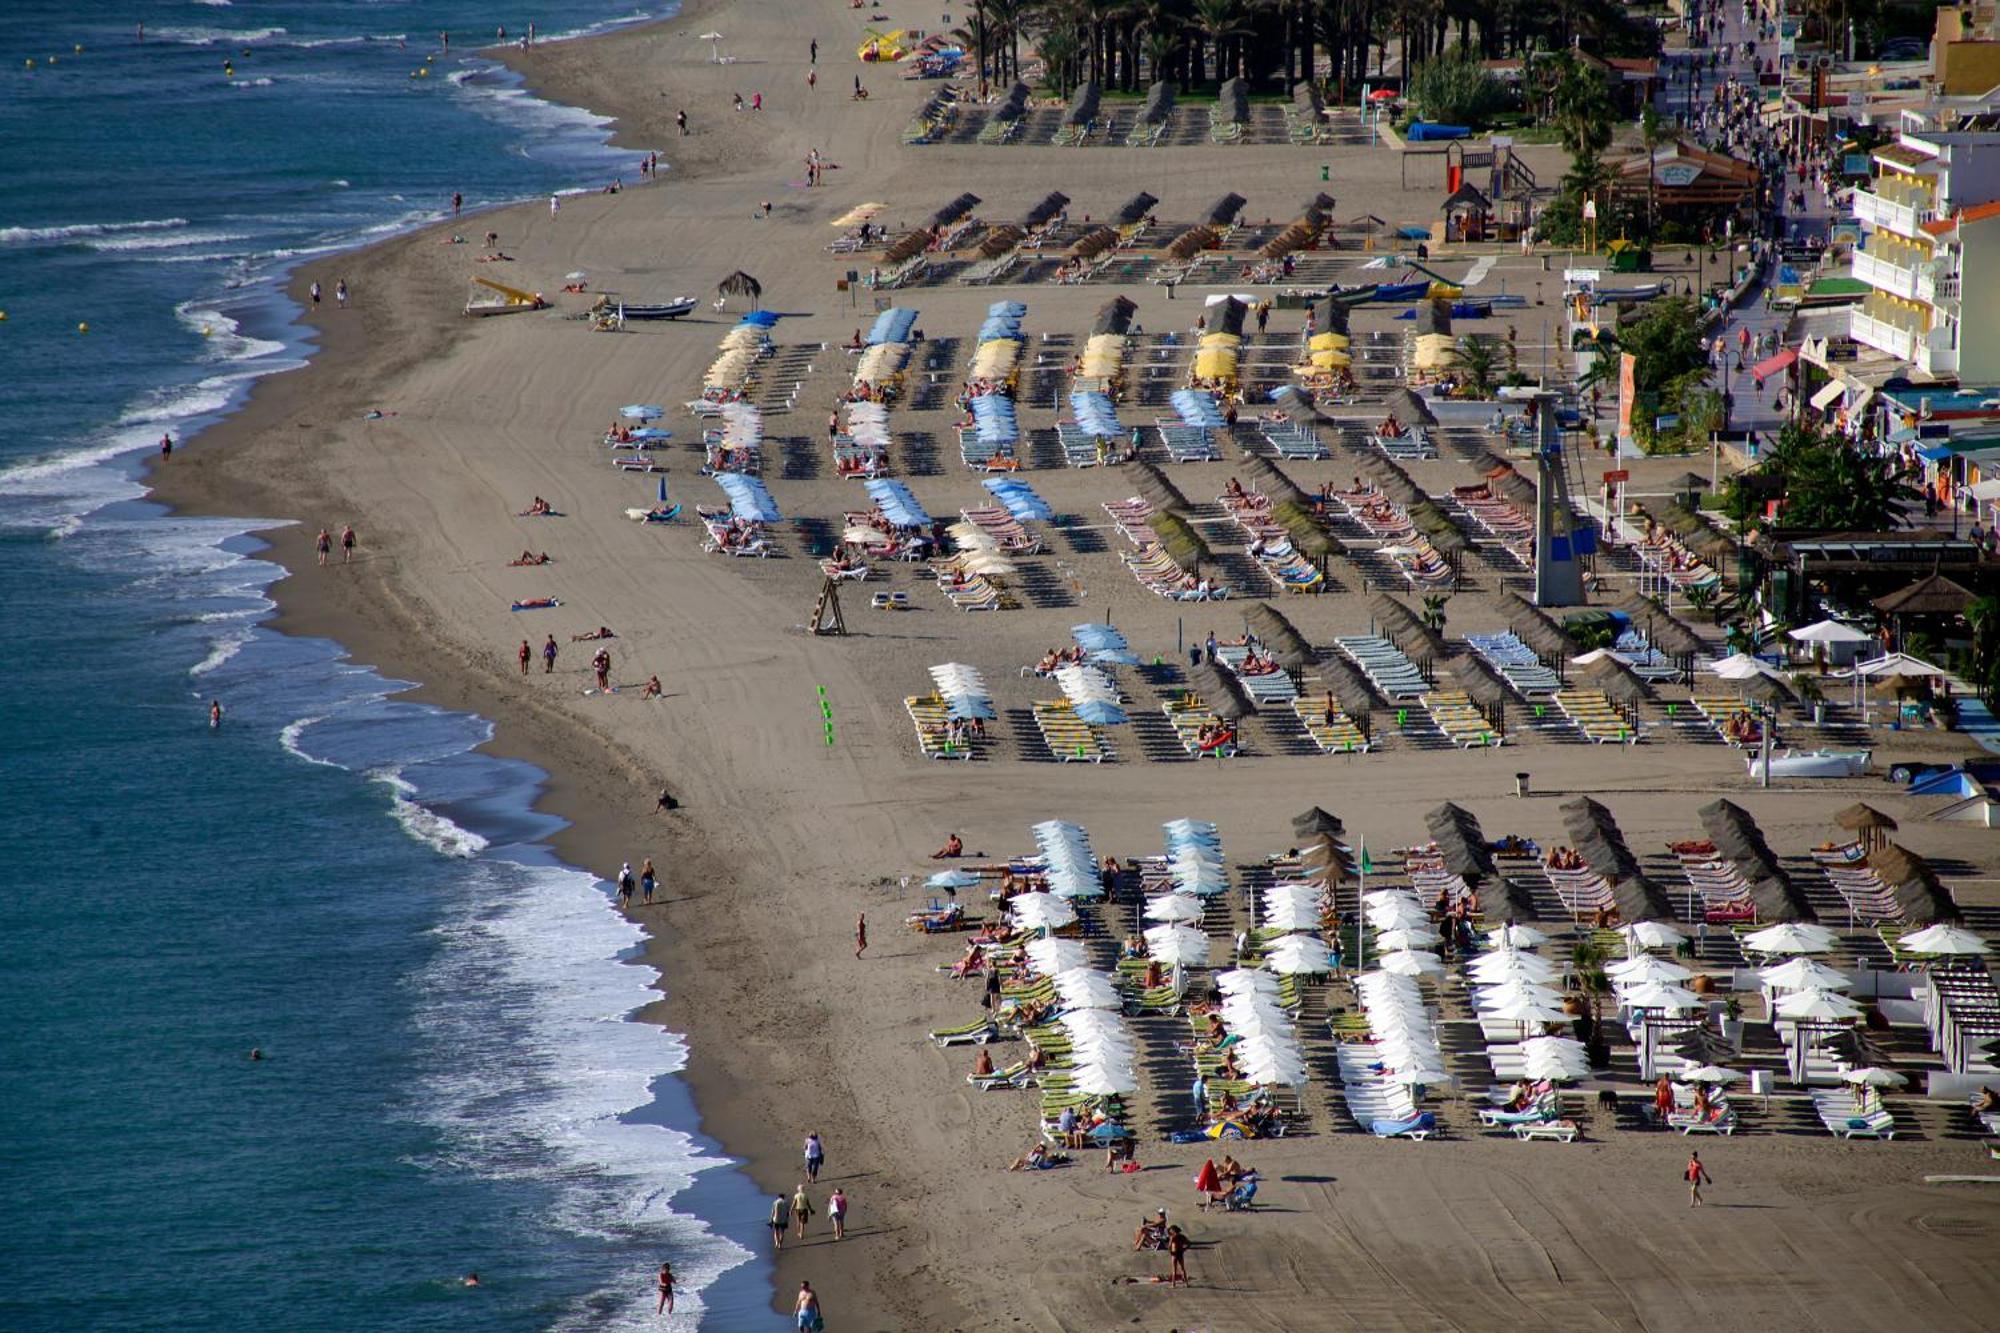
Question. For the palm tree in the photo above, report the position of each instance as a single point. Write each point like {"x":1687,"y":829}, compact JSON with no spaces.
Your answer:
{"x":1221,"y":22}
{"x":1653,"y":131}
{"x":1477,"y":359}
{"x":1433,"y":616}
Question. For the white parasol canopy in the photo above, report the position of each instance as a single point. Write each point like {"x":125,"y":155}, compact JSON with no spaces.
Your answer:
{"x":1393,"y":941}
{"x":1790,"y":937}
{"x":1053,"y":956}
{"x":1874,"y":1077}
{"x":1410,"y":963}
{"x":1817,"y":1005}
{"x":1041,"y":911}
{"x":1830,"y":631}
{"x":1804,"y":974}
{"x":1247,"y":981}
{"x":1707,"y":1074}
{"x":1646,"y":968}
{"x":1081,"y":988}
{"x":1400,"y":915}
{"x":1942,"y":938}
{"x":1177,"y":945}
{"x":1516,"y":937}
{"x":1174,"y":907}
{"x":1493,"y":967}
{"x":1299,"y":955}
{"x":1651,"y":935}
{"x":1654,"y":995}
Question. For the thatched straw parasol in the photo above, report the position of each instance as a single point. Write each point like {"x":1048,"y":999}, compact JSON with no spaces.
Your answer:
{"x":740,"y":283}
{"x":1221,"y":691}
{"x":1156,"y":489}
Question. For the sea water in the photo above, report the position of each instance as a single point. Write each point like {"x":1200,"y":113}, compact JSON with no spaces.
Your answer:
{"x":449,"y":1082}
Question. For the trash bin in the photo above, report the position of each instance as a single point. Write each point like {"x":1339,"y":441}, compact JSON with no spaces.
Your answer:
{"x":1520,"y":784}
{"x":1760,"y":1083}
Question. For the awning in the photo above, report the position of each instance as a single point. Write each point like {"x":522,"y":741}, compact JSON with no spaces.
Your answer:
{"x":1935,"y":452}
{"x":1986,"y":490}
{"x":1771,"y":365}
{"x":1829,"y":395}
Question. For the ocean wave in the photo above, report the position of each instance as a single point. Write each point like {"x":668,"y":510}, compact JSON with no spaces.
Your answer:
{"x":162,"y":240}
{"x":288,"y":741}
{"x":210,"y":36}
{"x":78,"y":230}
{"x":226,"y":340}
{"x":220,"y":652}
{"x":425,"y":825}
{"x":251,"y":83}
{"x":530,"y":995}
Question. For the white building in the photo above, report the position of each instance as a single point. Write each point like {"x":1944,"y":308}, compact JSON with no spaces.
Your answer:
{"x":1929,"y":216}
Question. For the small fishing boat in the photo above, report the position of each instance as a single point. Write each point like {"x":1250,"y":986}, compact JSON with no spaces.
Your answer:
{"x":662,"y":310}
{"x":1812,"y":764}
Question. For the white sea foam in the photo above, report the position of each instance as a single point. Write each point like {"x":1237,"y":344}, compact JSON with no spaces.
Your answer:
{"x":288,"y":741}
{"x":530,"y":996}
{"x":224,"y":648}
{"x":78,"y":230}
{"x":162,"y":240}
{"x":425,"y":825}
{"x":251,"y":83}
{"x":198,"y":36}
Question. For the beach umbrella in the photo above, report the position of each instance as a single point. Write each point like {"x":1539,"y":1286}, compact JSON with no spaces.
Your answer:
{"x":1804,"y":974}
{"x":1082,"y":988}
{"x":1942,"y":938}
{"x":952,"y":879}
{"x":1505,"y":966}
{"x":1098,"y":1081}
{"x":1402,"y":914}
{"x":1174,"y":907}
{"x":1177,"y":945}
{"x":1393,"y":941}
{"x":1830,"y":631}
{"x":1423,"y":1076}
{"x":1740,"y":666}
{"x":740,"y":283}
{"x":1291,"y":915}
{"x":1299,"y":955}
{"x":1816,"y":1004}
{"x":1656,"y":995}
{"x":1522,"y":1011}
{"x":1790,"y":937}
{"x":1516,"y":937}
{"x":1042,"y":911}
{"x":1410,"y":963}
{"x":714,"y":48}
{"x":1650,"y":935}
{"x":1874,"y":1077}
{"x":1093,"y":1022}
{"x":1646,"y":968}
{"x":1517,"y":991}
{"x":1383,"y":95}
{"x":1053,"y":956}
{"x":1707,"y":1074}
{"x":1246,"y":981}
{"x":642,"y":411}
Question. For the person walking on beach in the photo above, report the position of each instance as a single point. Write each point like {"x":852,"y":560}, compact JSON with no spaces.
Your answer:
{"x":807,"y":1311}
{"x":602,"y":665}
{"x":1177,"y":1248}
{"x":166,"y":446}
{"x":647,"y":881}
{"x":815,"y":51}
{"x":323,"y":544}
{"x":457,"y":202}
{"x":549,"y":655}
{"x":860,"y":934}
{"x":666,"y":1305}
{"x":315,"y":295}
{"x":815,"y":1156}
{"x":1697,"y":1176}
{"x":836,"y":1213}
{"x":555,"y":206}
{"x":527,"y":655}
{"x":681,"y":122}
{"x":625,"y":885}
{"x":340,"y":293}
{"x":347,"y":545}
{"x":781,"y":1219}
{"x":812,"y":80}
{"x":802,"y":1209}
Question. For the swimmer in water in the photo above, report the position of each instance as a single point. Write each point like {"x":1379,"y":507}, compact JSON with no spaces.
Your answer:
{"x":471,"y":1279}
{"x":256,"y":1052}
{"x":214,"y":714}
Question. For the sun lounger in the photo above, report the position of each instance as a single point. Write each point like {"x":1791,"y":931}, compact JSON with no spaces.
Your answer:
{"x":1419,"y":1126}
{"x":1562,"y":1131}
{"x":976,"y":1033}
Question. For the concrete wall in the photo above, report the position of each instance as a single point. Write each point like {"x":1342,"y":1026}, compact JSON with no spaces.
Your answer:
{"x":1979,"y":304}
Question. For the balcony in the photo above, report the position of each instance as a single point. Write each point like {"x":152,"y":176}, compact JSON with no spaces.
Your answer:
{"x":1936,"y":289}
{"x":1937,"y":354}
{"x":1885,"y":275}
{"x":1882,"y":335}
{"x":1876,"y":210}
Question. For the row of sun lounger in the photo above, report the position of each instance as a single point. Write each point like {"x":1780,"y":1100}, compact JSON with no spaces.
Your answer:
{"x":1290,"y":439}
{"x":1264,"y":687}
{"x":1336,"y":735}
{"x":1592,"y":713}
{"x":1414,"y":443}
{"x":1385,"y":665}
{"x":1962,"y":1011}
{"x":932,"y":718}
{"x":1668,"y":559}
{"x":1460,"y":720}
{"x":1190,"y":717}
{"x":1507,"y":525}
{"x":1188,"y":444}
{"x":1844,"y":1120}
{"x":1515,"y":663}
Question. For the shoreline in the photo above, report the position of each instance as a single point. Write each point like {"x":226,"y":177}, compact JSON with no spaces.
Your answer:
{"x":382,"y":627}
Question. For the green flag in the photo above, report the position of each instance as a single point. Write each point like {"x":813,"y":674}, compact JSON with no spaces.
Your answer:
{"x":1367,"y":866}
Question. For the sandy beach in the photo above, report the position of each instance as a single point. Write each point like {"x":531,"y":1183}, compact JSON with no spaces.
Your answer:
{"x":781,"y":839}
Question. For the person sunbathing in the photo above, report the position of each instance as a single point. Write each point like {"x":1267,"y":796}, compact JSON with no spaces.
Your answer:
{"x":538,"y":508}
{"x":982,"y":1063}
{"x":601,"y":632}
{"x":531,"y":558}
{"x":1232,"y":1170}
{"x":1035,"y":1159}
{"x":953,"y":848}
{"x":1050,"y":661}
{"x":1390,"y":427}
{"x":652,"y":690}
{"x":1152,"y":1233}
{"x":1155,"y":975}
{"x":1234,"y":489}
{"x":1989,"y":1101}
{"x":1229,"y":1069}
